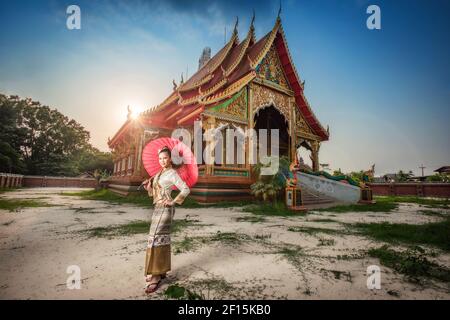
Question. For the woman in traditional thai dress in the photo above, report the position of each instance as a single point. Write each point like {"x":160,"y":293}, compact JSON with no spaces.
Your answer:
{"x":158,"y":257}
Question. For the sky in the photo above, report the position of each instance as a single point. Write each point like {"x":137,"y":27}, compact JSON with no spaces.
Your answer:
{"x":385,"y":94}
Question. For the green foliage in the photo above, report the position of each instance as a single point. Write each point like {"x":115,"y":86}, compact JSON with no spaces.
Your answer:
{"x":357,"y":176}
{"x":274,"y":209}
{"x":379,"y":206}
{"x":35,"y":139}
{"x":438,"y":178}
{"x":268,"y":187}
{"x":413,"y":263}
{"x":139,"y":199}
{"x":403,"y":176}
{"x":131,"y":228}
{"x":175,"y":291}
{"x":17,"y":204}
{"x":142,"y":199}
{"x":433,"y":203}
{"x":436,"y":234}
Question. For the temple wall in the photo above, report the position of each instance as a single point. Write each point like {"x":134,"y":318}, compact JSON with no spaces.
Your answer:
{"x":49,"y":181}
{"x":420,"y":189}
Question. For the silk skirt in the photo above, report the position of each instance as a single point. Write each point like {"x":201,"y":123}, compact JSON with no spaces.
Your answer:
{"x":158,"y":256}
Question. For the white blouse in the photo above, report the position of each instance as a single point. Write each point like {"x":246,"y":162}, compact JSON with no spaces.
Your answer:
{"x":162,"y":187}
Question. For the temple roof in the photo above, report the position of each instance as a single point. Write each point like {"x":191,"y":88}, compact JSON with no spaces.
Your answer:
{"x":227,"y":72}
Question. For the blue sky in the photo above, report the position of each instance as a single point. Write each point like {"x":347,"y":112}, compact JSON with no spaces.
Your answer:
{"x":384,"y":93}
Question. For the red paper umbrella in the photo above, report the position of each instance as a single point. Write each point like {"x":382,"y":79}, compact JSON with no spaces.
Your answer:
{"x":181,"y":154}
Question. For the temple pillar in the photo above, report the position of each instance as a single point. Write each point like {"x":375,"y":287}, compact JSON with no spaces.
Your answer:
{"x":315,"y":145}
{"x":292,"y":129}
{"x":210,"y":125}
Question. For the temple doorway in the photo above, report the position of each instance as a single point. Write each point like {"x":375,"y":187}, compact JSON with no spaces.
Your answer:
{"x":304,"y":156}
{"x":270,"y":118}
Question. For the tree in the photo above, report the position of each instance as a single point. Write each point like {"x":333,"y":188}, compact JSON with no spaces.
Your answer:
{"x":36,"y":139}
{"x":403,"y":176}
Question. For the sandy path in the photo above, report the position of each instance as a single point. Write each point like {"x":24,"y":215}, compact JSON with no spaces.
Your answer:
{"x":38,"y":244}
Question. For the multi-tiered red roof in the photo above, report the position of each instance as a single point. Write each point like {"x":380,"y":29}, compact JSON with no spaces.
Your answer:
{"x":223,"y":75}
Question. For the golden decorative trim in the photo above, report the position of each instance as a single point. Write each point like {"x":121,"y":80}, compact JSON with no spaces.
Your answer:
{"x":214,"y":88}
{"x":298,"y":78}
{"x":264,"y":97}
{"x":274,"y":86}
{"x":174,"y":114}
{"x":271,"y":69}
{"x":222,"y":116}
{"x":233,"y":88}
{"x":192,"y":114}
{"x":308,"y":136}
{"x":268,"y":44}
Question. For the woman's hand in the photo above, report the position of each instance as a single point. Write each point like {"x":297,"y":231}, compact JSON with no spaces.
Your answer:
{"x":169,"y":202}
{"x":145,"y":184}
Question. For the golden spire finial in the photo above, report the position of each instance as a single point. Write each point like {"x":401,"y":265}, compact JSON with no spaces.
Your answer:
{"x":279,"y":13}
{"x":236,"y":25}
{"x":129,"y":112}
{"x":253,"y":18}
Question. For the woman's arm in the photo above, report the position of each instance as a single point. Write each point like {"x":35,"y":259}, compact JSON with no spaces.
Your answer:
{"x":145,"y":184}
{"x":182,"y":186}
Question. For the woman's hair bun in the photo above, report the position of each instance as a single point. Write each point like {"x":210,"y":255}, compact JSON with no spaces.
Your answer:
{"x":164,"y":149}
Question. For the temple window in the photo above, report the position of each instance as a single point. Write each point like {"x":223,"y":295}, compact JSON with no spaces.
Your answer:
{"x":124,"y":165}
{"x":230,"y":147}
{"x":130,"y":164}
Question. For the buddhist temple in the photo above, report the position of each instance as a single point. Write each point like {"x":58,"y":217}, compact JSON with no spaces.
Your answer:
{"x":248,"y":83}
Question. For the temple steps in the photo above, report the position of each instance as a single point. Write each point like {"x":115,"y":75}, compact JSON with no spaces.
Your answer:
{"x":315,"y":200}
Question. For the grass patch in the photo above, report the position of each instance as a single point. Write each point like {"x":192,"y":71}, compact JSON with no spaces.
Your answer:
{"x":379,"y":206}
{"x":226,"y":238}
{"x":185,"y":245}
{"x":387,"y":204}
{"x":84,"y":210}
{"x":432,"y":213}
{"x":275,"y":209}
{"x":17,"y":204}
{"x":263,"y":236}
{"x":434,"y":203}
{"x":347,"y":257}
{"x":179,"y":225}
{"x":326,"y":242}
{"x":143,"y":200}
{"x":311,"y":230}
{"x":230,"y":238}
{"x":323,"y":220}
{"x":413,"y":263}
{"x":139,"y":199}
{"x":135,"y":227}
{"x":219,"y":286}
{"x":338,"y":275}
{"x":436,"y":234}
{"x":293,"y":254}
{"x":3,"y":190}
{"x":178,"y":292}
{"x":251,"y":219}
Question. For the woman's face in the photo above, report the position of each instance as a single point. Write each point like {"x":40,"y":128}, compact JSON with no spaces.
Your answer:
{"x":164,"y":159}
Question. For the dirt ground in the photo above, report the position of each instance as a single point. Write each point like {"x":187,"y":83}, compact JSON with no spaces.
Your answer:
{"x":220,"y":254}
